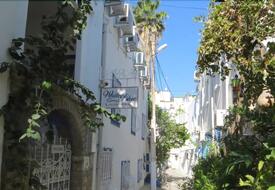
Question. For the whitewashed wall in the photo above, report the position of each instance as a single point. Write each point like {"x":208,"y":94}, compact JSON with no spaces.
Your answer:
{"x":216,"y":91}
{"x":182,"y":110}
{"x":89,"y":50}
{"x":13,"y":15}
{"x":125,"y":145}
{"x":99,"y":56}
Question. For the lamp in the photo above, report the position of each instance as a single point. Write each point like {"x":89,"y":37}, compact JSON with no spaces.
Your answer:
{"x":161,"y":48}
{"x":236,"y":83}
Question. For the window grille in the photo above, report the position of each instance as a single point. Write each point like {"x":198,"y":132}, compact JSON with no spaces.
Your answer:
{"x":125,"y":175}
{"x":105,"y":166}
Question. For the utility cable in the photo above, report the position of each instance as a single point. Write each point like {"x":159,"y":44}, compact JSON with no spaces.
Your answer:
{"x":162,"y":73}
{"x":158,"y":77}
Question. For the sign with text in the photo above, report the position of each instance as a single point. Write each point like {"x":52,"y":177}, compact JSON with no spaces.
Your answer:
{"x":57,"y":149}
{"x":122,"y":97}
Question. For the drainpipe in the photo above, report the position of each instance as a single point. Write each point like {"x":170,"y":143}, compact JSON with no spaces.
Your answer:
{"x":102,"y":77}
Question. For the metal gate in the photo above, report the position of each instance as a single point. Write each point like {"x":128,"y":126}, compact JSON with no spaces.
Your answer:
{"x":54,"y":162}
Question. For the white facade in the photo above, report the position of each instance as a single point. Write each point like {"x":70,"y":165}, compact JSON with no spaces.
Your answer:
{"x":214,"y":98}
{"x":125,"y":139}
{"x":181,"y":109}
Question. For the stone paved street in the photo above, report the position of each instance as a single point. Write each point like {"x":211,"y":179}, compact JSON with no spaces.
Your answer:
{"x":172,"y":180}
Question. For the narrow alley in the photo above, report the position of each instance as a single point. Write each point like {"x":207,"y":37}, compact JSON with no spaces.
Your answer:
{"x":137,"y":95}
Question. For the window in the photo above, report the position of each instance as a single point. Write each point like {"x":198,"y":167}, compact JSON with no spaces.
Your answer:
{"x":133,"y":121}
{"x":139,"y":170}
{"x":143,"y":129}
{"x":105,"y":165}
{"x":125,"y":175}
{"x":147,"y":168}
{"x":147,"y":157}
{"x":218,"y":134}
{"x":115,"y":83}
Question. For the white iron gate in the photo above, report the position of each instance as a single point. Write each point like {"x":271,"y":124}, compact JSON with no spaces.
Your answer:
{"x":54,"y":162}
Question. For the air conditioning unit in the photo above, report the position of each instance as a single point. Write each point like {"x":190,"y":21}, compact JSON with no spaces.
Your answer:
{"x":118,"y":8}
{"x":139,"y":60}
{"x":143,"y":74}
{"x":127,"y":31}
{"x":131,"y":43}
{"x":220,"y":116}
{"x":126,"y":23}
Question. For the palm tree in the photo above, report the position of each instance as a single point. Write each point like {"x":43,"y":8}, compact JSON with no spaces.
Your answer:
{"x":148,"y":19}
{"x":150,"y":25}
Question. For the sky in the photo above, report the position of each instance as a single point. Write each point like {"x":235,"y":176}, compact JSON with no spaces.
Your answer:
{"x":182,"y":35}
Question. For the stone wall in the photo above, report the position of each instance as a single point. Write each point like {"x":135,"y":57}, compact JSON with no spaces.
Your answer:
{"x":83,"y":155}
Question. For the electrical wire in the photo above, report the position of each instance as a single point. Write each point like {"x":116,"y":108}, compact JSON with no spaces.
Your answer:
{"x":158,"y":78}
{"x":162,"y":73}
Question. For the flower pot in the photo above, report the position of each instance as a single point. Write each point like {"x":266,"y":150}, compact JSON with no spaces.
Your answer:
{"x":266,"y":99}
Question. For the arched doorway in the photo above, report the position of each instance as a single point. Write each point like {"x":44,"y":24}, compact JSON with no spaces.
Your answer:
{"x":61,"y":142}
{"x":66,"y":131}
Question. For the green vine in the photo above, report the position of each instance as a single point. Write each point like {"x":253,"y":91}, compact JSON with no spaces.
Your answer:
{"x":38,"y":69}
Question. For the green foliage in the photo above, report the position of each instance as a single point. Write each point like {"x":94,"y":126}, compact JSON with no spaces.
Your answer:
{"x":171,"y":135}
{"x":264,"y":176}
{"x":147,"y":18}
{"x":39,"y":69}
{"x":150,"y":25}
{"x":186,"y":184}
{"x":235,"y":30}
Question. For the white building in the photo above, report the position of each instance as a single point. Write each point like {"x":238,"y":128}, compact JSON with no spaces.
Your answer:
{"x":181,"y":109}
{"x":126,"y":140}
{"x":215,"y":96}
{"x":116,"y":156}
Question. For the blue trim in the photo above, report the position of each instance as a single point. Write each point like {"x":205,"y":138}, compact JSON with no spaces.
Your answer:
{"x":114,"y":122}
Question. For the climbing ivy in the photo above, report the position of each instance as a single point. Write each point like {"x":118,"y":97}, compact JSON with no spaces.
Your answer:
{"x":39,"y":68}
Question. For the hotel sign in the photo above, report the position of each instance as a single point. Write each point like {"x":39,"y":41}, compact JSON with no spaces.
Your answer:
{"x":122,"y":97}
